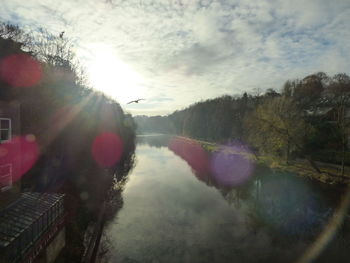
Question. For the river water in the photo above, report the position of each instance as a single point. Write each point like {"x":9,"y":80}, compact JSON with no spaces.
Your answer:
{"x":175,"y":211}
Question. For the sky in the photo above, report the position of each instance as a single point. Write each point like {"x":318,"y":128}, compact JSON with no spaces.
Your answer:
{"x":173,"y":53}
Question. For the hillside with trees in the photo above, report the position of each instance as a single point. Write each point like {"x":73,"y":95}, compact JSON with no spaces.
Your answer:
{"x":308,"y":118}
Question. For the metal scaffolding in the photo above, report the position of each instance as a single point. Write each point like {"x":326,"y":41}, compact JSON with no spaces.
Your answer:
{"x":24,"y":222}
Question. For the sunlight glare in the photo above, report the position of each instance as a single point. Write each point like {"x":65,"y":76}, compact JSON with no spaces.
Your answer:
{"x":107,"y":73}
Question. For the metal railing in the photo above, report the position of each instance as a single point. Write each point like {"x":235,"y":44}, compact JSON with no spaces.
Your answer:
{"x":26,"y":221}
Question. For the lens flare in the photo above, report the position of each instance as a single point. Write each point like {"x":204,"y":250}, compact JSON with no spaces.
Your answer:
{"x":107,"y":149}
{"x":290,"y":205}
{"x":192,"y":152}
{"x":17,"y":157}
{"x":20,"y":70}
{"x":232,"y":165}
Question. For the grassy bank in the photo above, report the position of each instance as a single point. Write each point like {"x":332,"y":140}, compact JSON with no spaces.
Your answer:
{"x":330,"y":173}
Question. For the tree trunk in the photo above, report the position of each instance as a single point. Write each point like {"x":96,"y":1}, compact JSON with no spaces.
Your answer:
{"x":343,"y":130}
{"x":288,"y":149}
{"x":343,"y":156}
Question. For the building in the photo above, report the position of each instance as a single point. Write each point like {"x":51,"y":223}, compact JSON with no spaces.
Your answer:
{"x":9,"y":128}
{"x":32,"y":225}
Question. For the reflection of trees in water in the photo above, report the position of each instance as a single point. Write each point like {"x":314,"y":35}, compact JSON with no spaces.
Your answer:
{"x":292,"y":211}
{"x":283,"y":203}
{"x":199,"y":161}
{"x":114,"y":196}
{"x":113,"y":203}
{"x":156,"y":141}
{"x":281,"y":207}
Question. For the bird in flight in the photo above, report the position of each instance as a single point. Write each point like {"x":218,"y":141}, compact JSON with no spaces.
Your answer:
{"x":135,"y":101}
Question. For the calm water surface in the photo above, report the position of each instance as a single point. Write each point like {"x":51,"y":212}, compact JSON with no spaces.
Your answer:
{"x":173,"y":213}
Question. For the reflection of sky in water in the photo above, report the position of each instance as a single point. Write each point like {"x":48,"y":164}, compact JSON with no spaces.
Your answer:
{"x":170,"y":216}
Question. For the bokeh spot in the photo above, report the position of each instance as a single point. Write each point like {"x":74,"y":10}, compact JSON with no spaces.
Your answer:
{"x":232,"y":164}
{"x":20,"y":154}
{"x":20,"y":70}
{"x":192,"y":152}
{"x":107,"y":149}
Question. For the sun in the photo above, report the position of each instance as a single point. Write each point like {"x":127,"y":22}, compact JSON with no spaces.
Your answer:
{"x":107,"y":73}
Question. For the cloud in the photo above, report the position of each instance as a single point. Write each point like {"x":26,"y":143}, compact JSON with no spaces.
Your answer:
{"x":192,"y":50}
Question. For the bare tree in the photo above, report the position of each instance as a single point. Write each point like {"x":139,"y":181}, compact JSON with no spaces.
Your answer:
{"x":340,"y":87}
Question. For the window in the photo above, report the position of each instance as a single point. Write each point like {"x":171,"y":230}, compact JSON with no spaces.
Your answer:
{"x":5,"y":177}
{"x":5,"y":129}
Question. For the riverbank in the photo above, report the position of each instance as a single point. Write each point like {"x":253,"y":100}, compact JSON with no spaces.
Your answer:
{"x":330,"y":173}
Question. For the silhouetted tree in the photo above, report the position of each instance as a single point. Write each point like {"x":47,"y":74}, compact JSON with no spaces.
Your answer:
{"x":65,"y":117}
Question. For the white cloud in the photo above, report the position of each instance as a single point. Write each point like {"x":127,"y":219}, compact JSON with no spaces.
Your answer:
{"x":189,"y":50}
